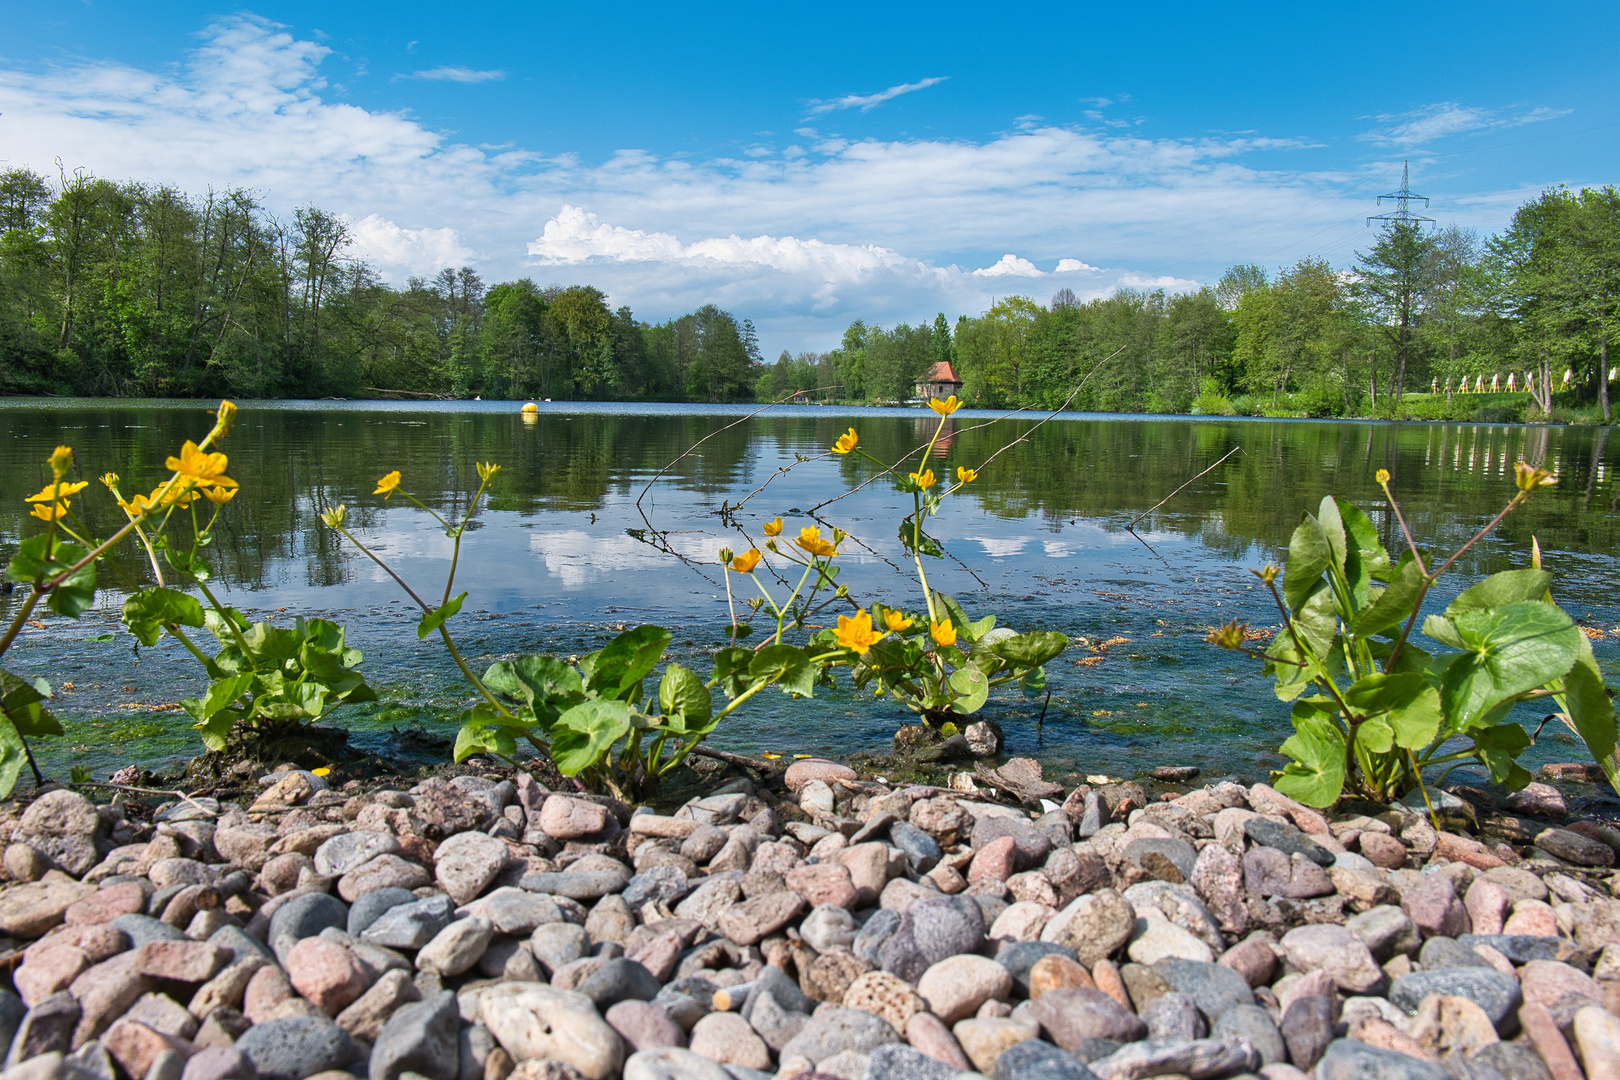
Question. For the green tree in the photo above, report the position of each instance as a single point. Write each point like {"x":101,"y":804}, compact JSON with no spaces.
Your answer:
{"x":1395,"y":278}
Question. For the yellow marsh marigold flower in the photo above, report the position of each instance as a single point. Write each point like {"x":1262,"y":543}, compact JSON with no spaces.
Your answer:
{"x":965,"y":475}
{"x":204,"y":468}
{"x":946,"y":407}
{"x":924,"y":479}
{"x":857,"y":633}
{"x":943,"y":632}
{"x":49,"y":511}
{"x":773,"y":528}
{"x":334,"y":517}
{"x":745,"y":563}
{"x":109,"y":480}
{"x":219,"y":494}
{"x":61,"y":460}
{"x":846,"y":442}
{"x":57,"y":492}
{"x":173,"y":493}
{"x":895,"y":621}
{"x":1382,"y":476}
{"x":386,"y":486}
{"x":487,"y":472}
{"x":811,"y":541}
{"x":1527,"y":477}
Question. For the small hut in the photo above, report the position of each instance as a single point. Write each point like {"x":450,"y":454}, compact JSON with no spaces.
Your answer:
{"x":940,"y":382}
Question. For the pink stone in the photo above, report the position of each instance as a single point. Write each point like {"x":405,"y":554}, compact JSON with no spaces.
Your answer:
{"x":135,"y":1046}
{"x":1382,"y":849}
{"x":105,"y":992}
{"x":1539,"y":800}
{"x":105,"y":905}
{"x":1467,"y":850}
{"x":928,"y":1035}
{"x":802,"y":772}
{"x":182,"y":961}
{"x":823,"y":883}
{"x":267,"y":989}
{"x":1487,"y":904}
{"x":47,"y":971}
{"x":1542,"y":1030}
{"x":326,"y":974}
{"x":1431,"y":902}
{"x":1534,"y":918}
{"x":1545,"y":981}
{"x":1253,"y":959}
{"x":868,"y":869}
{"x":563,"y":817}
{"x":994,"y":861}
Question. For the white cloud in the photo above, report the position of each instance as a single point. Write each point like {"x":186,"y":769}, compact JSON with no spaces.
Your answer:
{"x":1009,"y":266}
{"x":868,"y":102}
{"x":396,"y":252}
{"x":1074,"y":266}
{"x":1447,"y":118}
{"x":457,"y":75}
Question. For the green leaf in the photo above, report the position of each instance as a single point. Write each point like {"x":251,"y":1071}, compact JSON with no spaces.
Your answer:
{"x":963,"y":624}
{"x":483,"y":731}
{"x":971,"y":688}
{"x":1394,"y":605}
{"x":623,"y":662}
{"x":146,"y":612}
{"x":1309,"y":555}
{"x":682,"y":694}
{"x":1376,"y":735}
{"x":12,"y":756}
{"x":1442,"y":630}
{"x":926,"y":545}
{"x":1282,"y":662}
{"x":1033,"y":683}
{"x":438,"y":617}
{"x":1405,"y":704}
{"x":585,"y":733}
{"x":20,"y":702}
{"x":42,"y":558}
{"x":731,"y":669}
{"x":1499,"y":748}
{"x":1317,"y":620}
{"x":1030,"y":650}
{"x":1500,"y":590}
{"x":1316,"y":775}
{"x":77,"y":592}
{"x":737,"y":631}
{"x":1589,"y":710}
{"x":1327,"y":516}
{"x":1366,"y":560}
{"x":272,"y":644}
{"x":535,"y":680}
{"x":1507,"y":651}
{"x":786,"y":666}
{"x":220,"y":625}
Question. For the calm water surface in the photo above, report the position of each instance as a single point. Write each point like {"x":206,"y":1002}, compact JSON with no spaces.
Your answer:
{"x":564,"y":556}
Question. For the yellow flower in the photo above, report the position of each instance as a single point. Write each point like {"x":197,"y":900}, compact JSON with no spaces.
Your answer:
{"x":773,"y":528}
{"x":946,"y":407}
{"x":943,"y":632}
{"x":486,"y":473}
{"x":811,"y":541}
{"x":61,"y":460}
{"x":924,"y":479}
{"x":49,"y":511}
{"x":895,"y":621}
{"x":857,"y":633}
{"x":386,"y":486}
{"x":205,"y":468}
{"x":173,"y":493}
{"x":334,"y":517}
{"x":135,"y":506}
{"x":1382,"y":476}
{"x":54,"y":492}
{"x":965,"y":475}
{"x":219,"y":494}
{"x":224,"y":417}
{"x":1527,"y":477}
{"x":110,"y":479}
{"x":846,"y":442}
{"x":745,"y":563}
{"x":323,"y":771}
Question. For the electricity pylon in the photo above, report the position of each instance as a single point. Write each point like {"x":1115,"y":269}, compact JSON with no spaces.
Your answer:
{"x":1402,"y":215}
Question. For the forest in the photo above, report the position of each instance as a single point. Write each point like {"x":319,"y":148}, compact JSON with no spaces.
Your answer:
{"x":126,"y":289}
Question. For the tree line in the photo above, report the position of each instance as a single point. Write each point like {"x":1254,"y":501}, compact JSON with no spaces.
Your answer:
{"x":125,"y":289}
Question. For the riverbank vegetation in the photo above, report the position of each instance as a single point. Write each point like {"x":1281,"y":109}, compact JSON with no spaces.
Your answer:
{"x":127,"y":289}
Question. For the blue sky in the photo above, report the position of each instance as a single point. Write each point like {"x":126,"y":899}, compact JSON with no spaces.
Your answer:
{"x":810,"y":164}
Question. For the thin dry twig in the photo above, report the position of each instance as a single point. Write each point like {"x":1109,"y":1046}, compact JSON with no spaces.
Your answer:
{"x":1173,"y":494}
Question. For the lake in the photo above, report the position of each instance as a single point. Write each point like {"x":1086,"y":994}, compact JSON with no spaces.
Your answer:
{"x":606,"y":516}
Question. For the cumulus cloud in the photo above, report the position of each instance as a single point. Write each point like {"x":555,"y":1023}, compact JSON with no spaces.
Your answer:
{"x":457,"y":75}
{"x":1009,"y":266}
{"x":1074,"y":266}
{"x":1425,"y":125}
{"x":868,"y":102}
{"x":397,"y":252}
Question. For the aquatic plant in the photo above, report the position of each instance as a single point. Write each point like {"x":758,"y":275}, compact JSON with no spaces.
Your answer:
{"x":1372,"y":710}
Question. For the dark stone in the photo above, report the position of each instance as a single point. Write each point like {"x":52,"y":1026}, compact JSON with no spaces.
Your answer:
{"x":1034,"y":1059}
{"x":933,"y":929}
{"x":1347,"y":1059}
{"x":1214,"y":987}
{"x":1514,"y":1060}
{"x":1574,"y":848}
{"x":1070,"y":1014}
{"x":419,"y":1038}
{"x":897,"y":1061}
{"x":12,"y":1011}
{"x":241,"y":946}
{"x":1523,"y":948}
{"x":46,"y":1027}
{"x":664,"y":883}
{"x":364,"y":911}
{"x":1499,"y":995}
{"x":1253,"y":1023}
{"x":302,"y":917}
{"x":1286,"y":839}
{"x":619,"y":980}
{"x":1091,"y":1050}
{"x":1032,"y":844}
{"x":1174,"y":774}
{"x":923,"y":850}
{"x":1444,"y":952}
{"x":1173,"y":1017}
{"x":875,"y":934}
{"x":298,"y":1046}
{"x":1019,"y":956}
{"x":1165,"y":858}
{"x":1307,"y":1028}
{"x":836,"y":1029}
{"x":875,"y":827}
{"x":143,"y":928}
{"x":579,"y":885}
{"x":412,"y":925}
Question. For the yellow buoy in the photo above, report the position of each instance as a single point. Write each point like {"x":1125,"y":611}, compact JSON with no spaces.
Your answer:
{"x":531,"y":407}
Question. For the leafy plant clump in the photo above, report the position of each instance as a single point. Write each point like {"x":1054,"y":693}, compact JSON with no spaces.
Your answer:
{"x":1373,"y":710}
